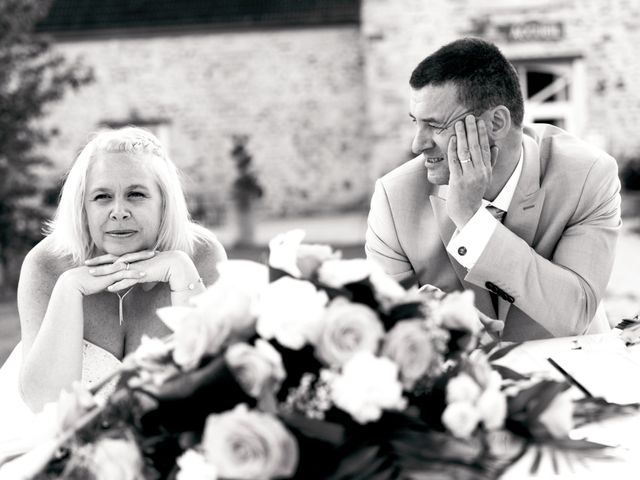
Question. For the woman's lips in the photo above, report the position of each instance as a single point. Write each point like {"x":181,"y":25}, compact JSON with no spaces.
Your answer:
{"x":121,"y":233}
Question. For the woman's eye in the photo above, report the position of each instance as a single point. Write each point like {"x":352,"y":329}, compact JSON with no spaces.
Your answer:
{"x":136,"y":194}
{"x":101,"y":196}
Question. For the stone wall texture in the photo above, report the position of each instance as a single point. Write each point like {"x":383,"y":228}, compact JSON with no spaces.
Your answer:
{"x":325,"y":108}
{"x":397,"y":34}
{"x":297,"y":93}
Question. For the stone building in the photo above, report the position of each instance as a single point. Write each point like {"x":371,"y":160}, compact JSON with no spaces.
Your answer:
{"x":321,"y":88}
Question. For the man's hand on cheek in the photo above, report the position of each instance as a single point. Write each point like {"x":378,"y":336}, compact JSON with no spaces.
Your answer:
{"x":470,"y":160}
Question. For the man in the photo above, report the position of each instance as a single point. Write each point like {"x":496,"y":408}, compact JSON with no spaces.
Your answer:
{"x":542,"y":267}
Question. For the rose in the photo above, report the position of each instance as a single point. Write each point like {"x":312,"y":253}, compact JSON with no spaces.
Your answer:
{"x":366,"y":386}
{"x":338,"y":273}
{"x":557,"y":418}
{"x":457,"y":312}
{"x":386,"y":289}
{"x":411,"y":347}
{"x":245,"y":444}
{"x":196,"y":333}
{"x":291,"y":312}
{"x":479,"y":368}
{"x":310,"y":257}
{"x":114,"y":459}
{"x":283,"y":250}
{"x":258,"y":368}
{"x":492,"y":408}
{"x":462,"y":388}
{"x":461,"y":418}
{"x":289,"y":254}
{"x":234,"y":297}
{"x":347,"y":328}
{"x":193,"y":465}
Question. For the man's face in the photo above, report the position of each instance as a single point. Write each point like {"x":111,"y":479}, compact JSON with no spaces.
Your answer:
{"x":434,"y":110}
{"x":123,"y":204}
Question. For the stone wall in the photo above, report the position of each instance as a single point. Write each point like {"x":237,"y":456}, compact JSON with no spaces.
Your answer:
{"x":297,"y":94}
{"x":397,"y":34}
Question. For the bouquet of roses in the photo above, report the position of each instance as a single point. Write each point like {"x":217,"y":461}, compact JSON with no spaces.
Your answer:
{"x":310,"y":367}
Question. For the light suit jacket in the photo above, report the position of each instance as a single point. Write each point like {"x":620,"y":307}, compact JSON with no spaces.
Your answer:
{"x":551,"y":259}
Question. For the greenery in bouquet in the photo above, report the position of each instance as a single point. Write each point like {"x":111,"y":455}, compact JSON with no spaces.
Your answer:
{"x":310,"y":367}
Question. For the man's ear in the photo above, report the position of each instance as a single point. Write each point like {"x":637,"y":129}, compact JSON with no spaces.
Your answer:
{"x":499,"y":122}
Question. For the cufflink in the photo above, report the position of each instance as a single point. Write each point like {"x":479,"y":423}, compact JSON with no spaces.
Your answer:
{"x":462,"y":251}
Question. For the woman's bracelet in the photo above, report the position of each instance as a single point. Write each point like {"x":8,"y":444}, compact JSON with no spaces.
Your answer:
{"x":190,"y":287}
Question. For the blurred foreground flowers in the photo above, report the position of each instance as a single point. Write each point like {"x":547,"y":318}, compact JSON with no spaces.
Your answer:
{"x":311,"y":367}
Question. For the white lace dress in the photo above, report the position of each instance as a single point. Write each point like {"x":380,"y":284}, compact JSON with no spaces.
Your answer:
{"x":16,"y":418}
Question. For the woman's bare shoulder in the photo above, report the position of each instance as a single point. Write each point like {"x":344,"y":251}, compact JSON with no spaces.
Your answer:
{"x":43,"y":264}
{"x":207,"y":253}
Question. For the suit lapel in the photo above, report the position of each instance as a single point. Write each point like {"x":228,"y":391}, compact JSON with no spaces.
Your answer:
{"x":526,"y":204}
{"x":528,"y":198}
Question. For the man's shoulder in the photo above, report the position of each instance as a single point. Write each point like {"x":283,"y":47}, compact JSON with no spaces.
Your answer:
{"x":561,"y":148}
{"x":410,"y":173}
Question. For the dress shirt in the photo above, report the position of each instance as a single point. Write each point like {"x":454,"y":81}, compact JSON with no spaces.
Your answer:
{"x":467,"y":244}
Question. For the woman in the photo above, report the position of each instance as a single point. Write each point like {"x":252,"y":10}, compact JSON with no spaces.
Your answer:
{"x":120,"y":245}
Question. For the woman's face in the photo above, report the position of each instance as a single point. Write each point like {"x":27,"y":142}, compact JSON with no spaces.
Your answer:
{"x":123,"y":204}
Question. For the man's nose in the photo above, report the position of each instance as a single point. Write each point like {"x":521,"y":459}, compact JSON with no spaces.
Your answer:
{"x":119,"y":211}
{"x":423,"y":140}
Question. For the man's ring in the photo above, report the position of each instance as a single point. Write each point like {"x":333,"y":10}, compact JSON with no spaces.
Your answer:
{"x":467,"y":160}
{"x":126,"y":266}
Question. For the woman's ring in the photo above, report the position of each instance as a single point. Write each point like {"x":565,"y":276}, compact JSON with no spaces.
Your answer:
{"x":466,"y":160}
{"x":126,"y":266}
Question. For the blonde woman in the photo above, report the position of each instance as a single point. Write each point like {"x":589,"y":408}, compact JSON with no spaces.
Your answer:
{"x":121,"y":245}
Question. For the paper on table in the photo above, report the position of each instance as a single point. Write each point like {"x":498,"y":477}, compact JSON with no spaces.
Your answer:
{"x":608,"y":373}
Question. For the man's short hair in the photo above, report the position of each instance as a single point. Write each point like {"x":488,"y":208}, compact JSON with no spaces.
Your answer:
{"x":484,"y":77}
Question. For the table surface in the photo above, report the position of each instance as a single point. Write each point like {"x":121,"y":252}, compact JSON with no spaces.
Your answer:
{"x":623,"y":433}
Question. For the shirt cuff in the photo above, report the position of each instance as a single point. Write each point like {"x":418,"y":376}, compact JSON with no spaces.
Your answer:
{"x":467,"y":244}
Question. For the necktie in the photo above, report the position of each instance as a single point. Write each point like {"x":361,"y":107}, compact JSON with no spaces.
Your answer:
{"x":498,"y":214}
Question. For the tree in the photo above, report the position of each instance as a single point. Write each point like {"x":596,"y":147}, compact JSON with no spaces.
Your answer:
{"x":32,"y":76}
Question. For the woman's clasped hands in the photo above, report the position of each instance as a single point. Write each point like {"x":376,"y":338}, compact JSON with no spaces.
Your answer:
{"x":116,"y":273}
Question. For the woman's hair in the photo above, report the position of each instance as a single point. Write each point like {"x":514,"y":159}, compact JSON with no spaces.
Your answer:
{"x":69,"y":230}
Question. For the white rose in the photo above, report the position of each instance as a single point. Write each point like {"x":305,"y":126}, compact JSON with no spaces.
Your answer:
{"x":386,"y":289}
{"x":283,"y":252}
{"x":193,"y":466}
{"x":311,"y":257}
{"x":462,"y":388}
{"x":233,"y":298}
{"x":337,"y":273}
{"x":461,"y":419}
{"x":366,"y":386}
{"x":411,"y":347}
{"x":492,"y":407}
{"x":557,"y":418}
{"x":291,"y":312}
{"x":348,"y":328}
{"x":479,"y":368}
{"x":196,"y":334}
{"x":258,"y":368}
{"x":458,"y":312}
{"x":245,"y":444}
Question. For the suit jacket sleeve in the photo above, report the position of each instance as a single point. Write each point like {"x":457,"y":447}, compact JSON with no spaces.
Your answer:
{"x":382,"y":244}
{"x":562,"y":292}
